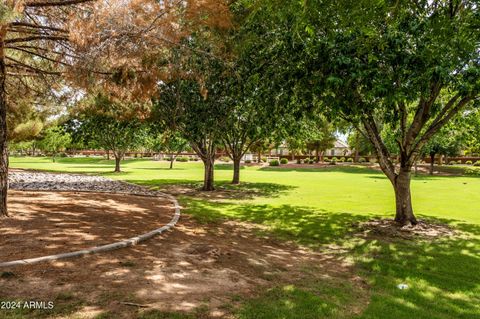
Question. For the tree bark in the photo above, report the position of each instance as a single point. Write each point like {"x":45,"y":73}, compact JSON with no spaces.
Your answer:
{"x":357,"y":145}
{"x":403,"y":199}
{"x":117,"y":163}
{"x":208,"y":179}
{"x":236,"y":170}
{"x":3,"y":130}
{"x":172,"y":159}
{"x":259,"y":159}
{"x":432,"y":163}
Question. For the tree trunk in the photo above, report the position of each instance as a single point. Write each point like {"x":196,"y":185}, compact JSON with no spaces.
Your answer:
{"x":259,"y":160}
{"x":317,"y":155}
{"x":403,"y":200}
{"x":432,"y":163}
{"x":3,"y":130}
{"x":4,"y":182}
{"x":108,"y":155}
{"x":172,"y":159}
{"x":208,"y":175}
{"x":357,"y":145}
{"x":117,"y":163}
{"x":236,"y":170}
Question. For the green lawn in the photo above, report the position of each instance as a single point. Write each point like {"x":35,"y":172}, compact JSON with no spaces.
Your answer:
{"x":318,"y":207}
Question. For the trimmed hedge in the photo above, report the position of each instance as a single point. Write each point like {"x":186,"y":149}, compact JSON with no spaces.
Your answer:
{"x":274,"y":163}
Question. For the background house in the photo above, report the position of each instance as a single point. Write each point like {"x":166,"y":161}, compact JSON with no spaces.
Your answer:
{"x":340,"y":148}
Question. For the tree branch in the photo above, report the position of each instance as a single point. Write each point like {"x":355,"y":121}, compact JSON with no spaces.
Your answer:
{"x":55,"y":3}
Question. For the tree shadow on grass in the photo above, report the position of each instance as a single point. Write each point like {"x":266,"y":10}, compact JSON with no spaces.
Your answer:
{"x":442,"y":275}
{"x":308,"y":226}
{"x":226,"y":167}
{"x":223,"y":190}
{"x":331,"y":168}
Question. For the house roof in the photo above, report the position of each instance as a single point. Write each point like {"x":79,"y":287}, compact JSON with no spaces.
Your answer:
{"x":341,"y":144}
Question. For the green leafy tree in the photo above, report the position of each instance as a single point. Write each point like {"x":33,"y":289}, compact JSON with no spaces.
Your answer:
{"x":472,"y":122}
{"x":193,"y":103}
{"x":408,"y":65}
{"x":448,"y":141}
{"x":174,"y":144}
{"x":113,"y":126}
{"x":117,"y":136}
{"x":321,"y":137}
{"x":55,"y":140}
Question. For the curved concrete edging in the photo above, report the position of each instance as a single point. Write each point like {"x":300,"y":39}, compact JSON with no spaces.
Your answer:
{"x":121,"y":244}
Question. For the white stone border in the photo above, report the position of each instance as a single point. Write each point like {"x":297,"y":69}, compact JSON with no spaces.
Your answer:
{"x":121,"y":244}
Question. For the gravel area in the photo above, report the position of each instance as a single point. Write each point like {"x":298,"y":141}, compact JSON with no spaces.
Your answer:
{"x":29,"y":180}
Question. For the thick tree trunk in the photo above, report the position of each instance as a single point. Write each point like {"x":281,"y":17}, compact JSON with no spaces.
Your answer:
{"x":172,"y":159}
{"x":117,"y":163}
{"x":3,"y":182}
{"x":236,"y":170}
{"x":259,"y":159}
{"x":403,"y":200}
{"x":3,"y":131}
{"x":317,"y":155}
{"x":208,"y":175}
{"x":432,"y":163}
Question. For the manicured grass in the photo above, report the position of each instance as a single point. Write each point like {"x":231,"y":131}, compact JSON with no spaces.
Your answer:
{"x":319,"y":206}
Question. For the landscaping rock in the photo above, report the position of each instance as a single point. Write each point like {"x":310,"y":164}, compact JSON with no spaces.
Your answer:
{"x":29,"y":180}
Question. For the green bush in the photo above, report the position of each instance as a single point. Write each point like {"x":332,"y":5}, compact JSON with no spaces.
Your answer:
{"x":452,"y":163}
{"x":284,"y":161}
{"x":342,"y":159}
{"x":182,"y":159}
{"x":350,"y":160}
{"x":335,"y":159}
{"x":225,"y":159}
{"x":362,"y":160}
{"x":311,"y":161}
{"x":274,"y":163}
{"x":299,"y":161}
{"x":326,"y":159}
{"x":469,"y":162}
{"x":264,"y":159}
{"x":62,"y":155}
{"x":477,"y":163}
{"x":248,"y":161}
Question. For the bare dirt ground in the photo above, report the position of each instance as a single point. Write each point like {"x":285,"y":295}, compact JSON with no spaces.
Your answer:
{"x":44,"y":223}
{"x":194,"y":265}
